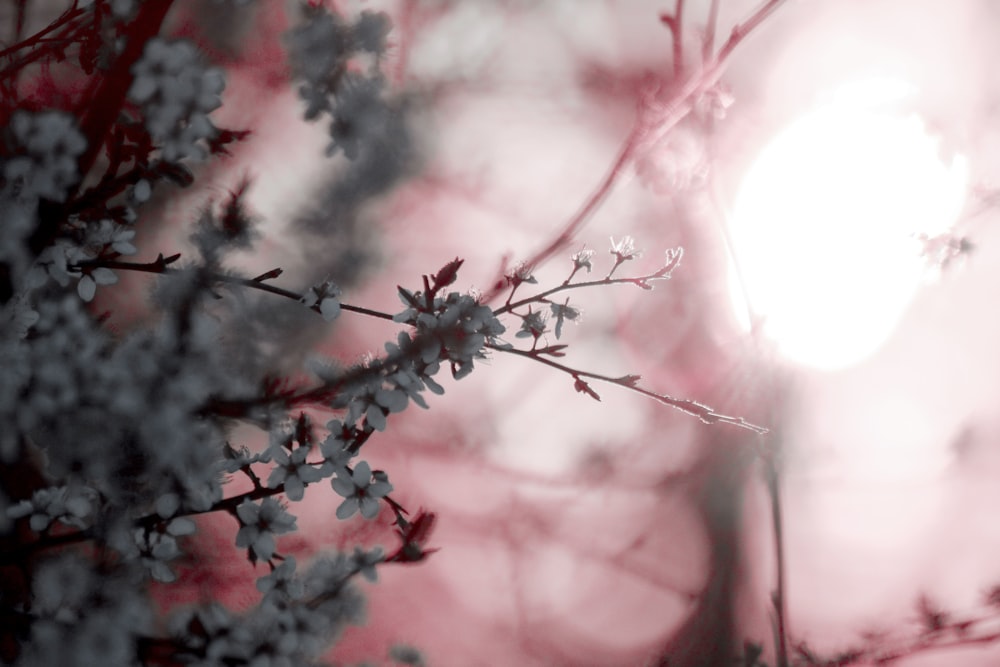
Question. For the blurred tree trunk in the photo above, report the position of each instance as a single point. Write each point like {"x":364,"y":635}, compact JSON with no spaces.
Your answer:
{"x":713,"y":633}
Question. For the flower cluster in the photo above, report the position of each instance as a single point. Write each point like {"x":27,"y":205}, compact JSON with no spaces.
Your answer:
{"x":40,"y":155}
{"x":68,"y":259}
{"x":73,"y":506}
{"x":123,"y":433}
{"x":321,"y":50}
{"x":563,"y":312}
{"x":455,"y":328}
{"x":177,"y":93}
{"x":291,"y":470}
{"x":325,"y":298}
{"x":298,"y":616}
{"x":38,"y":160}
{"x":259,"y":524}
{"x":84,"y":616}
{"x":130,"y":429}
{"x":153,"y":546}
{"x":362,"y":490}
{"x":78,"y":395}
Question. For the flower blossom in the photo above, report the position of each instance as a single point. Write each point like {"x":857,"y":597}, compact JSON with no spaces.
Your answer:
{"x":360,"y":492}
{"x":44,"y":148}
{"x":177,"y":93}
{"x":260,"y":523}
{"x":293,"y":471}
{"x":624,"y":249}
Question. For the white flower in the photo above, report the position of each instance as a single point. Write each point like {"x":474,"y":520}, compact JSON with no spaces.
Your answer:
{"x":45,"y":147}
{"x":292,"y":470}
{"x":335,"y":448}
{"x":108,"y":234}
{"x":318,"y":51}
{"x":325,"y":297}
{"x":563,"y":311}
{"x":360,"y":492}
{"x":19,"y":316}
{"x":176,"y":92}
{"x":122,"y":9}
{"x":624,"y":249}
{"x":371,"y":30}
{"x":360,"y":114}
{"x":522,"y":274}
{"x":62,"y":586}
{"x":260,"y":523}
{"x":55,"y":261}
{"x":366,"y":561}
{"x":282,"y":580}
{"x":532,"y":325}
{"x":72,"y":506}
{"x":581,"y":260}
{"x":156,"y":548}
{"x":459,"y":326}
{"x":141,"y":191}
{"x":87,"y":286}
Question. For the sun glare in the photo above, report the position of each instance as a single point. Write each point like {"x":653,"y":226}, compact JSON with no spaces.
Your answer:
{"x":824,"y":225}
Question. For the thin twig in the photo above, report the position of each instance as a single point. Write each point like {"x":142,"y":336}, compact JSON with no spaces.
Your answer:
{"x":22,"y":12}
{"x":779,"y":597}
{"x":160,"y":266}
{"x":662,"y":274}
{"x":675,"y":23}
{"x":681,"y":102}
{"x":581,"y":216}
{"x":703,"y":412}
{"x":69,"y":15}
{"x":643,"y":134}
{"x":708,"y":44}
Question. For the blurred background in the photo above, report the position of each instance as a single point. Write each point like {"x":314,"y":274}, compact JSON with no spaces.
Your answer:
{"x":833,"y":196}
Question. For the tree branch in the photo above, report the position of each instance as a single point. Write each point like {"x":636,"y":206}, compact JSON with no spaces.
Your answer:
{"x":703,"y":412}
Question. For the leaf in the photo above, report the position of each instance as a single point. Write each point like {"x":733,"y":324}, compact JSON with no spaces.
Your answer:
{"x":162,"y":261}
{"x":269,"y":275}
{"x":448,"y":273}
{"x":629,"y":380}
{"x":584,"y":388}
{"x":407,"y":297}
{"x":932,"y":617}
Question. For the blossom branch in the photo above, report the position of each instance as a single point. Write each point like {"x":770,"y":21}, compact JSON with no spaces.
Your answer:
{"x":646,"y":133}
{"x":662,"y":273}
{"x":161,"y":266}
{"x":108,"y":94}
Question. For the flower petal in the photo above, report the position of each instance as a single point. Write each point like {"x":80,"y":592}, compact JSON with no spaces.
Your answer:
{"x":347,"y":508}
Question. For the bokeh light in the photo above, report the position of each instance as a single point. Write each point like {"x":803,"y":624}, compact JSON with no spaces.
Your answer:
{"x":827,"y":224}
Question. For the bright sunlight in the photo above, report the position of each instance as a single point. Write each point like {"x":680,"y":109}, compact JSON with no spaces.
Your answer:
{"x":825,"y":224}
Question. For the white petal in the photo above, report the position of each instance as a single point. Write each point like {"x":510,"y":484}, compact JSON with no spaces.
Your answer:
{"x":104,"y":276}
{"x":369,"y":507}
{"x":347,"y":508}
{"x":86,"y":288}
{"x":329,"y":308}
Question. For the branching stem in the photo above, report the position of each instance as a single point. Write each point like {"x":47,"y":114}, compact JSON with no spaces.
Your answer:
{"x":160,"y":266}
{"x":703,"y":412}
{"x":643,"y":134}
